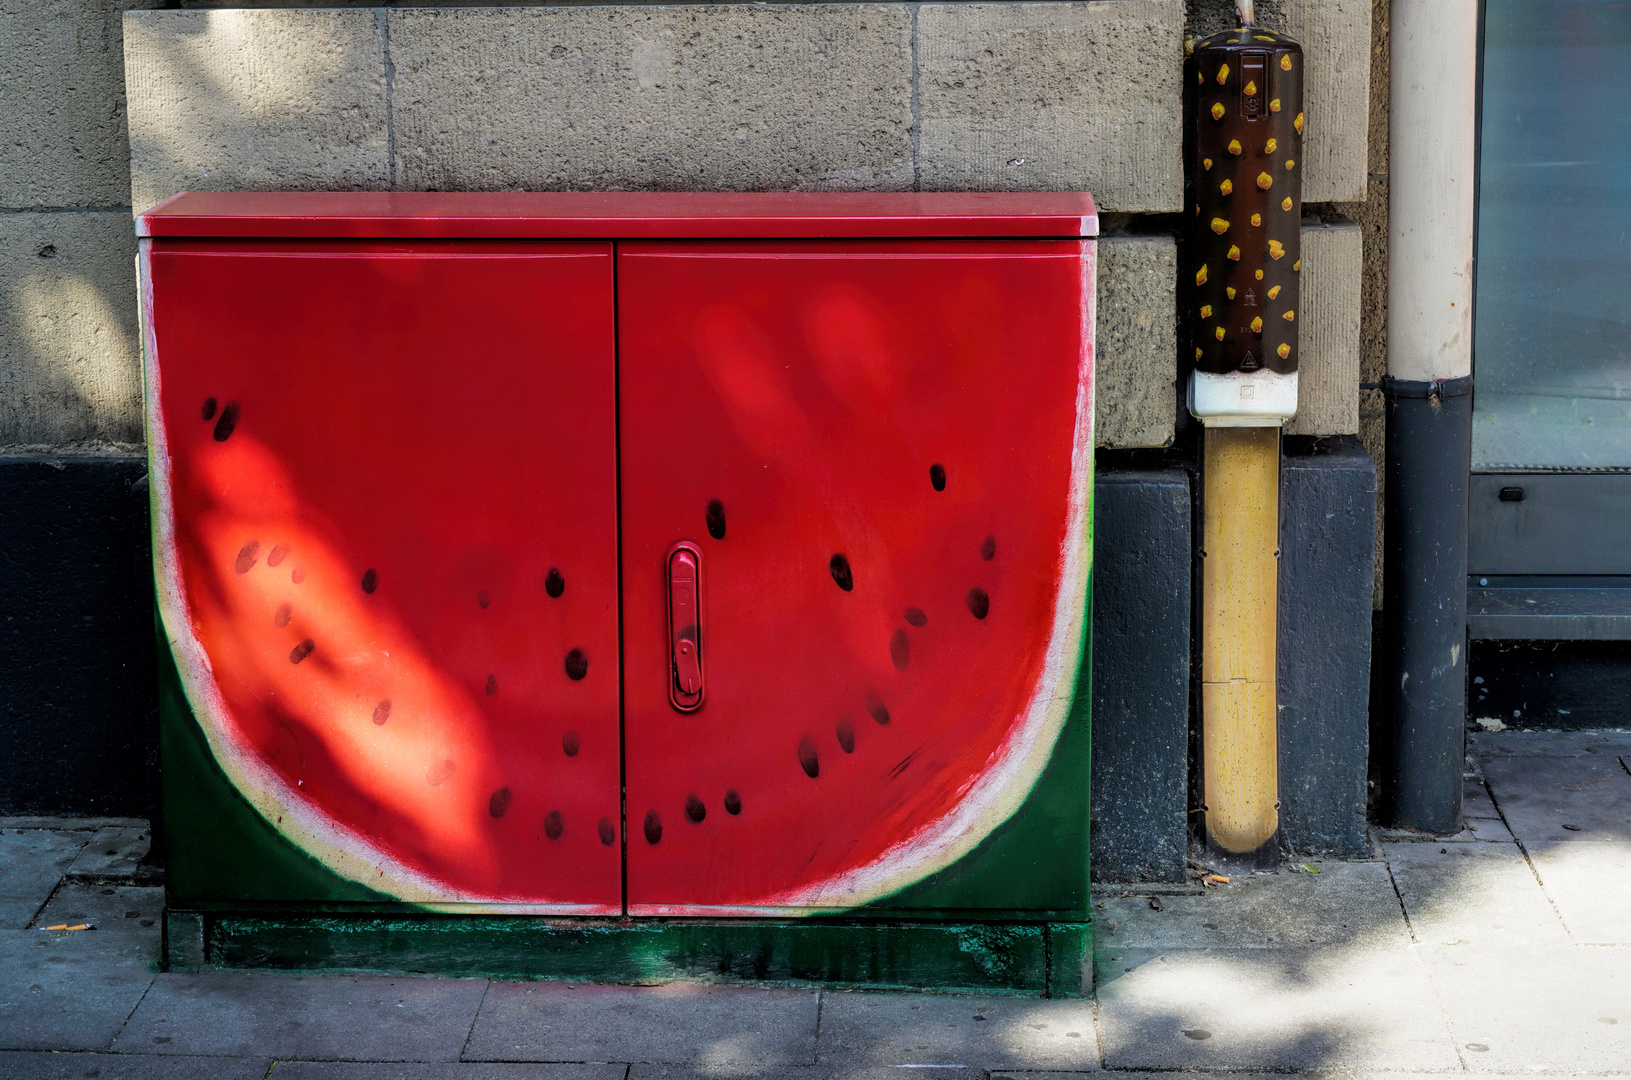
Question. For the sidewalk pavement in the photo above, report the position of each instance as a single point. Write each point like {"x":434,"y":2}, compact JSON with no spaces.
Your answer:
{"x":1503,"y":950}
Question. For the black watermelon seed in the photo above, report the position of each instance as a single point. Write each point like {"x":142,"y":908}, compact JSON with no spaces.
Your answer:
{"x":498,"y":802}
{"x":694,"y":809}
{"x":876,"y":708}
{"x":608,"y":835}
{"x":301,"y":651}
{"x":276,"y":556}
{"x":382,"y":712}
{"x":654,"y":827}
{"x":226,"y":422}
{"x":554,"y":583}
{"x":281,"y":618}
{"x":716,"y":519}
{"x":988,"y":548}
{"x":247,"y":556}
{"x":554,"y":826}
{"x":569,"y":743}
{"x":978,"y":602}
{"x":937,"y":476}
{"x":297,"y":575}
{"x":492,"y":685}
{"x":577,"y":665}
{"x":208,"y":411}
{"x":846,"y":735}
{"x":370,"y":580}
{"x":482,"y":598}
{"x":900,"y":650}
{"x":916,"y":617}
{"x":839,"y":565}
{"x":808,"y":759}
{"x":733,"y":802}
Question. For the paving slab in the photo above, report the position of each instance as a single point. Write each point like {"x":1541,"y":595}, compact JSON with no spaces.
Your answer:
{"x":677,"y":1024}
{"x":70,"y":991}
{"x":32,"y":861}
{"x":245,"y":1014}
{"x":462,"y":1070}
{"x":1486,"y":745}
{"x":111,"y":854}
{"x":1529,"y":1009}
{"x":1473,"y":895}
{"x":49,"y":1065}
{"x":911,"y":1031}
{"x":1483,"y":819}
{"x":1239,"y":1009}
{"x":1549,"y":799}
{"x":1348,"y":903}
{"x":111,"y":909}
{"x":1590,"y":884}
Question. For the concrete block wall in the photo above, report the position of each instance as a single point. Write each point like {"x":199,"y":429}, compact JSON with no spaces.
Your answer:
{"x":68,"y":370}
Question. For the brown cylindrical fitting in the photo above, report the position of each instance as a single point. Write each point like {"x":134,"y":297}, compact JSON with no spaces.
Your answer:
{"x":1245,"y":196}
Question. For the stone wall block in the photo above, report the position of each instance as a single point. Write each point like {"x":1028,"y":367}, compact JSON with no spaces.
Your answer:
{"x":251,"y":100}
{"x":736,"y":97}
{"x":62,"y":103}
{"x":1335,"y":36}
{"x":1328,"y":371}
{"x":69,"y":359}
{"x":1136,"y":354}
{"x":1054,"y":97}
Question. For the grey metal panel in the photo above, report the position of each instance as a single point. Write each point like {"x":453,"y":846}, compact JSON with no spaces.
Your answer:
{"x":1141,"y":650}
{"x":1566,"y":523}
{"x":1542,"y":614}
{"x":1327,"y":561}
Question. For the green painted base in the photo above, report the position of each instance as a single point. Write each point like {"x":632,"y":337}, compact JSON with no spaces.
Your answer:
{"x":1045,"y":959}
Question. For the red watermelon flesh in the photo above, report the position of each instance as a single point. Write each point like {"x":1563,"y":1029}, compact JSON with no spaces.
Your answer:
{"x":884,"y":455}
{"x":385,"y":537}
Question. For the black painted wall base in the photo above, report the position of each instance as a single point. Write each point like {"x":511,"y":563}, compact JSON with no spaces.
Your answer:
{"x":1327,"y":565}
{"x":79,"y":726}
{"x":1549,"y":685}
{"x":1141,"y":659}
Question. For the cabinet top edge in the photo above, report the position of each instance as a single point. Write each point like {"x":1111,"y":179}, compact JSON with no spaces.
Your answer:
{"x":620,"y":215}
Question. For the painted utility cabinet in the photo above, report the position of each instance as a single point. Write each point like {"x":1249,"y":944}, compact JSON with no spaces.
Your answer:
{"x":624,"y":558}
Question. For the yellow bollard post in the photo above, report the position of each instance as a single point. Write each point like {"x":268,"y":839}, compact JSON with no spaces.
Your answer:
{"x":1239,"y":584}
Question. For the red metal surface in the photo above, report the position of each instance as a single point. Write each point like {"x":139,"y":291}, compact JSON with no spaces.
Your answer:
{"x":621,"y":215}
{"x":399,"y":556}
{"x":871,"y":445}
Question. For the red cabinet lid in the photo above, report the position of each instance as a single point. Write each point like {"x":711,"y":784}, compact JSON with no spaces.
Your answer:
{"x":620,"y":215}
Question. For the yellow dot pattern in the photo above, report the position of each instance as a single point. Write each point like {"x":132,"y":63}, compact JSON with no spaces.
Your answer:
{"x":1243,"y":277}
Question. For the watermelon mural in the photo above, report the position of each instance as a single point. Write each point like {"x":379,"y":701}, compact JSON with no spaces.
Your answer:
{"x":415,"y":510}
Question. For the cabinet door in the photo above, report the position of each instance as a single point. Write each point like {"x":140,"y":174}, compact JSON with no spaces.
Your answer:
{"x":846,"y":687}
{"x":386,"y":525}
